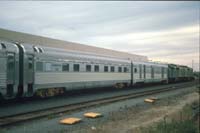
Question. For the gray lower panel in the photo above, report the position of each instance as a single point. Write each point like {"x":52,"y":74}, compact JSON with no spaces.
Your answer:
{"x":80,"y":85}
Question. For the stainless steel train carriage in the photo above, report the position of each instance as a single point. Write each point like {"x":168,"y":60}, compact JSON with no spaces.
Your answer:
{"x":9,"y":65}
{"x":50,"y":71}
{"x":55,"y":70}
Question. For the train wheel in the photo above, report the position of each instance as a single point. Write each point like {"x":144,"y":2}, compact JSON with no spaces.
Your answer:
{"x":41,"y":93}
{"x":51,"y":92}
{"x":61,"y":91}
{"x":119,"y":85}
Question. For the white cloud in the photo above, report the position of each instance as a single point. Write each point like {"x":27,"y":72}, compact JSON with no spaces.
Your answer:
{"x":160,"y":38}
{"x":161,"y":30}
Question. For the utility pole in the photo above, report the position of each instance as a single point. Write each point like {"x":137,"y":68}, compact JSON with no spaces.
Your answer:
{"x":193,"y":65}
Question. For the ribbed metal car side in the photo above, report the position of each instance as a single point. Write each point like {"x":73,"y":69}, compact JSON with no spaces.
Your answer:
{"x":54,"y":70}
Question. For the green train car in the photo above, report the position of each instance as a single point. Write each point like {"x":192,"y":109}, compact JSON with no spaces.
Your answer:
{"x":179,"y":73}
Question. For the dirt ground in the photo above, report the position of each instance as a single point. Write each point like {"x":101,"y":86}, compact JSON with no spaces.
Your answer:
{"x":135,"y":118}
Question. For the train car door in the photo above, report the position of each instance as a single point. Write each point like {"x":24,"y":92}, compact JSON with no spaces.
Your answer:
{"x":30,"y":73}
{"x":132,"y":75}
{"x":140,"y":70}
{"x":144,"y":67}
{"x":10,"y":73}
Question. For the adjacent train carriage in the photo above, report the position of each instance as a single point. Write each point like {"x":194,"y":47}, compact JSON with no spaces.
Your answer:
{"x":179,"y":73}
{"x":9,"y":65}
{"x":185,"y":73}
{"x":149,"y":72}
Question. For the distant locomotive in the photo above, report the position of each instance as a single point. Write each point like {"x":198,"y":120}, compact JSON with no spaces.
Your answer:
{"x":28,"y":70}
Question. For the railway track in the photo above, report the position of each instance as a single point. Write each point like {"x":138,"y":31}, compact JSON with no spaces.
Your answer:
{"x":9,"y":120}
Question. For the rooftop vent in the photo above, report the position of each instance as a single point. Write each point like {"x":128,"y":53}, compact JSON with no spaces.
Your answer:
{"x":35,"y":49}
{"x":3,"y":46}
{"x":41,"y":50}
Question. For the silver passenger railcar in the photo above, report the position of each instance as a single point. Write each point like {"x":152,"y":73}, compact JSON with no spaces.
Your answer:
{"x":9,"y":73}
{"x":50,"y":71}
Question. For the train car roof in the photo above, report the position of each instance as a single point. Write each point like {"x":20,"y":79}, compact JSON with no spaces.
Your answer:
{"x":80,"y":54}
{"x":44,"y":41}
{"x":179,"y":66}
{"x":62,"y":53}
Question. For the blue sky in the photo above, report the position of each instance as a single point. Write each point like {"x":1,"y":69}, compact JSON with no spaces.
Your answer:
{"x":163,"y":31}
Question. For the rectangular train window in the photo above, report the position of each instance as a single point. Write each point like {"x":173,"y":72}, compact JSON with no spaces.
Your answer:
{"x":39,"y":66}
{"x":65,"y":67}
{"x":125,"y":69}
{"x":105,"y":68}
{"x":88,"y":68}
{"x":119,"y":69}
{"x":56,"y":67}
{"x":112,"y":69}
{"x":47,"y":66}
{"x":96,"y":68}
{"x":135,"y":70}
{"x":76,"y":67}
{"x":30,"y":62}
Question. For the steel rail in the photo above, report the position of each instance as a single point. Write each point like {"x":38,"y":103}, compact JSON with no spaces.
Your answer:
{"x":9,"y":120}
